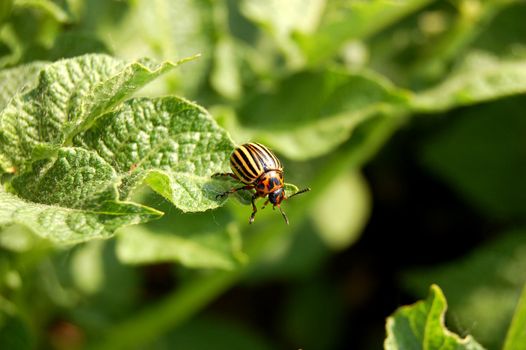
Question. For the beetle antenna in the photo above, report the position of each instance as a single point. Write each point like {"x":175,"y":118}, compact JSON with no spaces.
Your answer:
{"x":300,"y":192}
{"x":284,"y":216}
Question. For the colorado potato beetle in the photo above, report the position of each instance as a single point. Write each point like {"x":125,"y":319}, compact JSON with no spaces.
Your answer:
{"x":258,"y":168}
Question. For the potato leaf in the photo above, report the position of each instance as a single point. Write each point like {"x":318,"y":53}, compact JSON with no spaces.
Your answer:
{"x":169,"y":143}
{"x":18,"y":78}
{"x":76,"y":151}
{"x":67,"y":225}
{"x":421,"y":326}
{"x":69,"y":96}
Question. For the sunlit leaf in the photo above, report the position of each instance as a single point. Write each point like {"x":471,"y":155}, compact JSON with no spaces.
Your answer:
{"x":66,"y":225}
{"x":171,"y":144}
{"x":15,"y":79}
{"x":70,"y":95}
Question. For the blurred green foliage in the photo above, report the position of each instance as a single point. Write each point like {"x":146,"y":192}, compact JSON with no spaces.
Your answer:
{"x":325,"y":83}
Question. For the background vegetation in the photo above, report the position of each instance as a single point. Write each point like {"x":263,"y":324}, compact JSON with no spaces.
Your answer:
{"x":404,"y":117}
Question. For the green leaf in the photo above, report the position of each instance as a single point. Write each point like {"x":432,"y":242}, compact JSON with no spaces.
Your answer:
{"x":169,"y":143}
{"x":66,"y":225}
{"x":347,"y":20}
{"x":311,"y":113}
{"x":421,"y":326}
{"x":481,"y":78}
{"x":516,"y":338}
{"x":483,"y":286}
{"x":18,"y":79}
{"x":75,"y":178}
{"x":172,"y":145}
{"x":70,"y":95}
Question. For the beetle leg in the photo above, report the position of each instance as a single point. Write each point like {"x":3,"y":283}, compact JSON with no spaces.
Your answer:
{"x":265,"y":204}
{"x":254,"y":209}
{"x":283,"y":214}
{"x":233,"y":190}
{"x":234,"y":176}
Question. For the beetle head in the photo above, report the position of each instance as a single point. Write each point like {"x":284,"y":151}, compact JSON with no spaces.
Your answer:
{"x":277,"y":196}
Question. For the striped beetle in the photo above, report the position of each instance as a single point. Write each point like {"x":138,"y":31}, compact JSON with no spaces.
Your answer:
{"x":258,"y":168}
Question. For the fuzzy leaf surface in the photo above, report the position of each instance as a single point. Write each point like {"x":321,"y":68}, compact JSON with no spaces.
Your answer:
{"x":68,"y":226}
{"x":75,"y":178}
{"x":69,"y":96}
{"x":171,"y":144}
{"x":15,"y":79}
{"x":74,"y":147}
